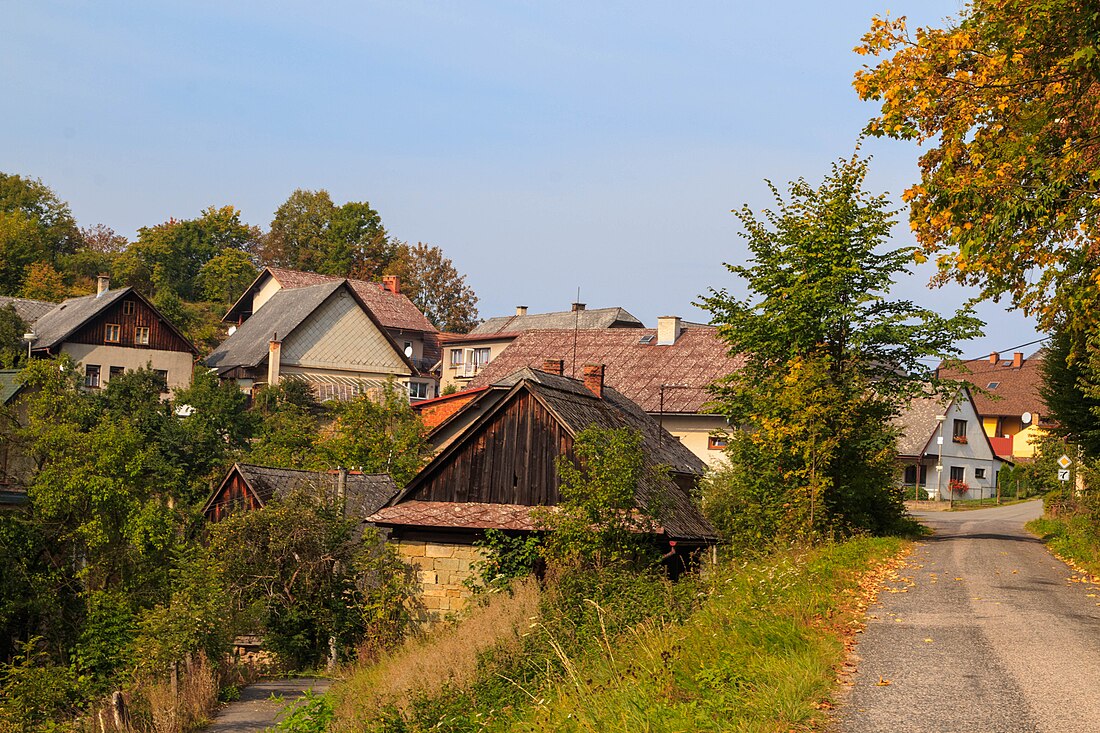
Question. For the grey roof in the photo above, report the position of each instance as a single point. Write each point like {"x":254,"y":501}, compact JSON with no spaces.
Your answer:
{"x":66,"y":318}
{"x":10,"y":384}
{"x":917,"y":423}
{"x":28,"y":310}
{"x":365,"y":493}
{"x":585,"y":319}
{"x":248,"y":345}
{"x":577,"y":408}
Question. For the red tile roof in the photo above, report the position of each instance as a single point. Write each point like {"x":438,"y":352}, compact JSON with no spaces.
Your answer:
{"x":393,"y":310}
{"x":634,"y":368}
{"x":1008,"y":390}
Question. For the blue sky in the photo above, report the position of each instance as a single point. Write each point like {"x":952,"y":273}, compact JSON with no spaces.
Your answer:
{"x":543,"y":146}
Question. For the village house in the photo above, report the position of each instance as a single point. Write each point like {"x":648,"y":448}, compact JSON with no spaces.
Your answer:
{"x":667,"y":371}
{"x":108,"y":333}
{"x":1006,"y":396}
{"x":466,"y":355}
{"x":414,"y":334}
{"x":944,"y":451}
{"x":323,"y":335}
{"x":15,"y":466}
{"x":247,"y":487}
{"x":497,"y":461}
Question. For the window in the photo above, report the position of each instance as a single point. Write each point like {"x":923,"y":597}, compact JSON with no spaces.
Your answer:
{"x":418,"y":390}
{"x":112,"y":333}
{"x":116,"y":371}
{"x":456,"y":357}
{"x":476,"y":359}
{"x":481,"y":357}
{"x":979,"y":473}
{"x":958,"y":434}
{"x":128,"y":307}
{"x":91,"y":375}
{"x":958,"y":473}
{"x":162,"y":375}
{"x":141,"y":335}
{"x":717,"y":442}
{"x":993,"y":385}
{"x":910,"y":475}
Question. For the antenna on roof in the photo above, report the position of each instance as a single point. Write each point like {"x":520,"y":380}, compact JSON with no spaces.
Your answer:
{"x":576,"y":328}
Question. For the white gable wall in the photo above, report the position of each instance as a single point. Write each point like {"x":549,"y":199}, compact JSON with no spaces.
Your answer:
{"x":339,"y":336}
{"x":972,"y":457}
{"x":263,"y":293}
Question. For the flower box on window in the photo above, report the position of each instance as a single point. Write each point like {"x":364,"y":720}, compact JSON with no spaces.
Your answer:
{"x":959,"y":439}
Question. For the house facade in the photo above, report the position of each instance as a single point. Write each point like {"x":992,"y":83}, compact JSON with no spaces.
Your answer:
{"x":465,"y":356}
{"x":323,"y":335}
{"x":496,"y":462}
{"x":109,"y":333}
{"x":944,"y":452}
{"x":1006,"y":396}
{"x":404,"y":323}
{"x":667,"y":371}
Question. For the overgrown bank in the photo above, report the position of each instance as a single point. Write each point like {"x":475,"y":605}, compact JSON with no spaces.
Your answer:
{"x":754,"y":646}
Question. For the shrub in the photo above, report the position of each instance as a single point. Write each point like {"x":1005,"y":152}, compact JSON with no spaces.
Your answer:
{"x":39,"y":695}
{"x":507,"y":557}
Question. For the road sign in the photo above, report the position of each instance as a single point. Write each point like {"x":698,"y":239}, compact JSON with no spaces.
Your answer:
{"x":1064,"y":462}
{"x":1063,"y":474}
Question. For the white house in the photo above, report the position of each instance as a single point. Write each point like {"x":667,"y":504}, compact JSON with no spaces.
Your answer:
{"x":944,"y":451}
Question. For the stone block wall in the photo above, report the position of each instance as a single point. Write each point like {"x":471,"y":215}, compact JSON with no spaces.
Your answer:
{"x":441,"y":569}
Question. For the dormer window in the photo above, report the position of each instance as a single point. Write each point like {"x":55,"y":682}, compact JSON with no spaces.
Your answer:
{"x":112,"y":333}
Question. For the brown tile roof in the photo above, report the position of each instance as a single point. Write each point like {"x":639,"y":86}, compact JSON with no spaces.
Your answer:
{"x":585,"y":319}
{"x":452,"y":515}
{"x":634,"y":368}
{"x":1016,"y":390}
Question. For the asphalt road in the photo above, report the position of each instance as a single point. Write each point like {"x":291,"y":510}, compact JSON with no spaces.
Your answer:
{"x":984,"y":632}
{"x":256,"y":711}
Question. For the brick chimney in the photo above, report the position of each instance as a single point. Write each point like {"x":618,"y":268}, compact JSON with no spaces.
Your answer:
{"x":1017,"y":359}
{"x":593,"y":379}
{"x":668,"y":330}
{"x":521,"y":310}
{"x":553,"y":366}
{"x":391,"y":283}
{"x":274,"y":359}
{"x":577,"y":307}
{"x":102,"y":285}
{"x":994,"y":358}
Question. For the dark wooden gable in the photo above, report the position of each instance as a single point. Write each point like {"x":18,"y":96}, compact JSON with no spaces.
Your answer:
{"x":508,"y":459}
{"x":162,"y":336}
{"x":233,"y":495}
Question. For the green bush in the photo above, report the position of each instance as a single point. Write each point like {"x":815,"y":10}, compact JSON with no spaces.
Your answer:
{"x":39,"y":695}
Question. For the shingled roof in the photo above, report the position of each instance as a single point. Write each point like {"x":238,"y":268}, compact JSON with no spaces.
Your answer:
{"x":917,"y":423}
{"x":10,"y":385}
{"x":576,"y":408}
{"x":364,"y":493}
{"x":582,"y":319}
{"x":393,"y":310}
{"x":29,"y":311}
{"x":1000,"y":387}
{"x":634,"y":364}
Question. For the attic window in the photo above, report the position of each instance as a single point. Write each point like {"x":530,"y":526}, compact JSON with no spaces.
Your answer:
{"x":647,"y":339}
{"x":128,"y":308}
{"x":993,"y":385}
{"x":112,"y":333}
{"x":1006,"y":363}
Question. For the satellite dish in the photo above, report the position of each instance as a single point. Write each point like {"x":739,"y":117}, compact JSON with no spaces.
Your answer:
{"x":1026,"y":418}
{"x":232,"y":330}
{"x":409,"y":351}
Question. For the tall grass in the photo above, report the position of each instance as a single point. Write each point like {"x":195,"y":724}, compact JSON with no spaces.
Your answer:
{"x":756,"y":647}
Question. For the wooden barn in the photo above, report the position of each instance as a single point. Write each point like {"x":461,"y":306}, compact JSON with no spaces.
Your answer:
{"x":498,"y":462}
{"x":247,"y":487}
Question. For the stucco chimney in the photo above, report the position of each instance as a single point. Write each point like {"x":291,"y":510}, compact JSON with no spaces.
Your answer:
{"x":668,"y":330}
{"x":521,"y":310}
{"x":578,"y":307}
{"x":274,"y":359}
{"x":593,"y":379}
{"x":553,"y":366}
{"x":994,"y":357}
{"x":391,"y":283}
{"x":102,"y":285}
{"x":1017,"y":359}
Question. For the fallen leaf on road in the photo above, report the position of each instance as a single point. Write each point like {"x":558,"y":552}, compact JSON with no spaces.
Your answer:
{"x":1015,"y":572}
{"x":928,"y":641}
{"x":958,"y":578}
{"x":883,"y":682}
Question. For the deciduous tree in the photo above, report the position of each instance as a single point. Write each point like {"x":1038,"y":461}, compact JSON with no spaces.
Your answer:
{"x":434,"y":285}
{"x":35,"y":225}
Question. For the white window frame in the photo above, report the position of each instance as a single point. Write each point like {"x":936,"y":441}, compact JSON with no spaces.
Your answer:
{"x":416,"y":387}
{"x":92,"y":376}
{"x":141,"y":335}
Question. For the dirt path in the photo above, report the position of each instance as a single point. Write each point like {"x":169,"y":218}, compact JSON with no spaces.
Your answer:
{"x":255,"y":711}
{"x":989,"y":634}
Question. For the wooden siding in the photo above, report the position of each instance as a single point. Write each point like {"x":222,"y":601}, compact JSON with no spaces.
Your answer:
{"x":511,"y":460}
{"x":161,"y":335}
{"x":233,"y":496}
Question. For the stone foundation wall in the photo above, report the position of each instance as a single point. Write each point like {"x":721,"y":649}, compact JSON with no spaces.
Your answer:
{"x":441,"y":569}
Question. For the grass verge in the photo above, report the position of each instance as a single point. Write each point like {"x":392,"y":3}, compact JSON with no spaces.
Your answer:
{"x":1074,"y":538}
{"x":758,"y":648}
